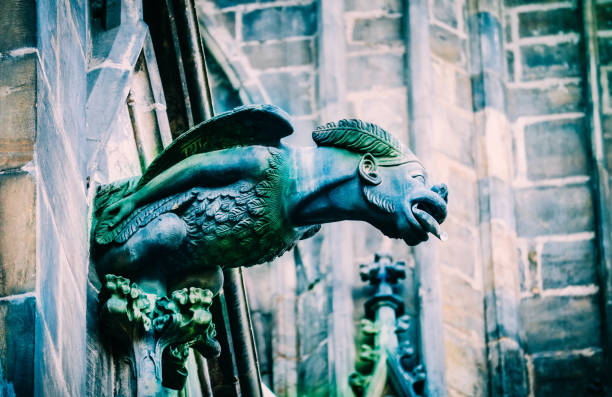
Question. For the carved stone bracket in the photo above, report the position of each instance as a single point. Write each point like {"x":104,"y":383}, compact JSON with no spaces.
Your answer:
{"x":159,"y":330}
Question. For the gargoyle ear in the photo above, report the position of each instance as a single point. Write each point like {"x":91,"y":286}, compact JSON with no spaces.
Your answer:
{"x":367,"y":170}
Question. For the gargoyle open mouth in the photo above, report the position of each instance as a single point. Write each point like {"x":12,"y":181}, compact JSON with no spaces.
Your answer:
{"x":430,"y":215}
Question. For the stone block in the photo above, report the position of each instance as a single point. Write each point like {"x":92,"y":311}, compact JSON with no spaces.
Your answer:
{"x":462,"y":305}
{"x":453,"y":135}
{"x":568,"y":263}
{"x":605,"y":50}
{"x":448,"y":46}
{"x":18,"y":24}
{"x":556,"y":98}
{"x":554,"y":210}
{"x":495,"y":201}
{"x":556,"y":149}
{"x":17,"y":110}
{"x":549,"y":22}
{"x":466,"y":366}
{"x":460,"y":251}
{"x":604,"y":16}
{"x":17,"y":234}
{"x":485,"y":42}
{"x":488,"y":90}
{"x":463,"y":91}
{"x":514,"y":3}
{"x":510,"y":65}
{"x":292,"y":91}
{"x":445,"y":11}
{"x":561,"y":323}
{"x":568,"y":374}
{"x":279,"y":54}
{"x":371,"y":5}
{"x":228,"y":19}
{"x":17,"y":323}
{"x":231,"y":3}
{"x":365,"y":72}
{"x":280,"y":22}
{"x":383,"y":29}
{"x":541,"y":61}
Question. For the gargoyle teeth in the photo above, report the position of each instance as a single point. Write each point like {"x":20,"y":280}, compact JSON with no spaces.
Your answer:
{"x":429,"y":223}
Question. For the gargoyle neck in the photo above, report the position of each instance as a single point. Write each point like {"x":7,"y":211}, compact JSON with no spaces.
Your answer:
{"x":325,"y":186}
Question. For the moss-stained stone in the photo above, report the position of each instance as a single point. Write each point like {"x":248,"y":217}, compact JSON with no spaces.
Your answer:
{"x":551,"y":99}
{"x":17,"y":343}
{"x":568,"y":374}
{"x":561,"y":323}
{"x":18,"y":24}
{"x":17,"y":234}
{"x":384,"y":29}
{"x":556,"y":149}
{"x":554,"y":210}
{"x":17,"y":110}
{"x":549,"y":22}
{"x":279,"y":22}
{"x":545,"y":61}
{"x":568,"y":263}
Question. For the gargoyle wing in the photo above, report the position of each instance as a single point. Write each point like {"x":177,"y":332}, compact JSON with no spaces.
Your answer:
{"x":243,"y":126}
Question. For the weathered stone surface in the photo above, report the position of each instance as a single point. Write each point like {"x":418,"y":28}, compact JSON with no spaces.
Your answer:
{"x":556,"y":98}
{"x":18,"y":24}
{"x":514,"y":3}
{"x":462,"y":305}
{"x":605,"y":50}
{"x":568,"y":263}
{"x":231,"y":3}
{"x":312,"y":318}
{"x":17,"y":343}
{"x":604,"y":16}
{"x":49,"y":379}
{"x":313,"y":373}
{"x":17,"y":110}
{"x":496,"y":203}
{"x":51,"y":258}
{"x":485,"y":43}
{"x":560,"y":323}
{"x":369,"y":5}
{"x":65,"y":189}
{"x":279,"y":54}
{"x":545,"y":61}
{"x":99,"y":361}
{"x":17,"y":234}
{"x":453,"y":135}
{"x":446,"y":11}
{"x":488,"y":90}
{"x":550,"y":22}
{"x":448,"y":46}
{"x":369,"y":71}
{"x":280,"y":22}
{"x":465,"y":365}
{"x":457,"y":252}
{"x":48,"y":34}
{"x":383,"y":29}
{"x":554,"y":210}
{"x":556,"y":149}
{"x":568,"y":374}
{"x":292,"y":91}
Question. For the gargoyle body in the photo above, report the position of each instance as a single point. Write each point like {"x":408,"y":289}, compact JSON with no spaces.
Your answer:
{"x":230,"y":193}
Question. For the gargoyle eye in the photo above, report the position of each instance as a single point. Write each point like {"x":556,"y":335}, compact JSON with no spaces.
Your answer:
{"x":419,"y":178}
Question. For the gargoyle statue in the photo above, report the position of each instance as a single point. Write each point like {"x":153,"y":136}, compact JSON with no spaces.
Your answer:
{"x":229,"y":193}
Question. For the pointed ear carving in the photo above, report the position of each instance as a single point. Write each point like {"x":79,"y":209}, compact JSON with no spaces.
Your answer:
{"x":368,"y":170}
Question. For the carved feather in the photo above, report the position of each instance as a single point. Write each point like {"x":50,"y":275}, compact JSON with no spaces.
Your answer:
{"x":361,"y":137}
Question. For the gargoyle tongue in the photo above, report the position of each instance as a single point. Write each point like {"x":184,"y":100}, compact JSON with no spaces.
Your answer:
{"x":429,"y":223}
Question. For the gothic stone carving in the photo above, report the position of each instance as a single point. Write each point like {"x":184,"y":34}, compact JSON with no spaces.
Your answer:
{"x":230,"y":193}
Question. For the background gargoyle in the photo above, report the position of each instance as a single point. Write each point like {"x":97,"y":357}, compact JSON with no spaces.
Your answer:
{"x":230,"y":193}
